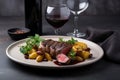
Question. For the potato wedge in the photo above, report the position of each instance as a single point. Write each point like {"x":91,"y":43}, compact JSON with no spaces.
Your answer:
{"x":48,"y":57}
{"x":39,"y":58}
{"x":33,"y":55}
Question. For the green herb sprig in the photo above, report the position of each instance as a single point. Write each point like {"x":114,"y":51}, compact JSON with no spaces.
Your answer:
{"x":72,"y":54}
{"x":31,"y":42}
{"x":71,"y":41}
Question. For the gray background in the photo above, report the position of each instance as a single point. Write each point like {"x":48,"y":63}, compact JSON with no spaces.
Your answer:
{"x":97,"y":7}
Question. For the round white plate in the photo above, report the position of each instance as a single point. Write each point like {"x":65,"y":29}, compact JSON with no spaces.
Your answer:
{"x":14,"y":54}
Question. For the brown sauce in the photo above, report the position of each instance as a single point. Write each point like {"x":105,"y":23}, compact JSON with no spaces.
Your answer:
{"x":71,"y":63}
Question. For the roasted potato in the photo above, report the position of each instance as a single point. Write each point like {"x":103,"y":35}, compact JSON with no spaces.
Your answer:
{"x":33,"y":55}
{"x":39,"y":58}
{"x":78,"y":58}
{"x":31,"y":51}
{"x":85,"y":54}
{"x":48,"y":57}
{"x":82,"y":45}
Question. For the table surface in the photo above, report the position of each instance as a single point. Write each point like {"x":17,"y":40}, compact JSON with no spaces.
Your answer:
{"x":101,"y":70}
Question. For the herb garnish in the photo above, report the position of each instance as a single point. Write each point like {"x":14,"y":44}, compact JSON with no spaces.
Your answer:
{"x":71,"y":41}
{"x":72,"y":54}
{"x":31,"y":42}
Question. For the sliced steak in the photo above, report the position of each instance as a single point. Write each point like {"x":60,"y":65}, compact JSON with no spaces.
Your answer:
{"x":48,"y":45}
{"x":55,"y":47}
{"x":44,"y":44}
{"x":66,"y":49}
{"x":52,"y":49}
{"x":62,"y":58}
{"x":59,"y":47}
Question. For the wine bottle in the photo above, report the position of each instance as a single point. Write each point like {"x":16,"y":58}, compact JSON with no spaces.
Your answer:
{"x":33,"y":16}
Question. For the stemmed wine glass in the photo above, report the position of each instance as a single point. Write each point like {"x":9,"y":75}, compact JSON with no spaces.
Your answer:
{"x":57,"y":14}
{"x":76,"y":7}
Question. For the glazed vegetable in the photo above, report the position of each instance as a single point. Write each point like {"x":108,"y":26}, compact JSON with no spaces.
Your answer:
{"x":78,"y":58}
{"x":48,"y":57}
{"x":39,"y":58}
{"x":33,"y":55}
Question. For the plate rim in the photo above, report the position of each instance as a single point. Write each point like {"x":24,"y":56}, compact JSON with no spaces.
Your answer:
{"x":56,"y":36}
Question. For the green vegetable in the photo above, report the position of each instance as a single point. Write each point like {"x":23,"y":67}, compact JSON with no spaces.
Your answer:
{"x":23,"y":49}
{"x":71,"y":41}
{"x":31,"y":42}
{"x":72,"y":54}
{"x":34,"y":40}
{"x":61,"y":40}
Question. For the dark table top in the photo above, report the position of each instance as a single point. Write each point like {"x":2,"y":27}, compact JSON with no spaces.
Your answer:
{"x":101,"y":70}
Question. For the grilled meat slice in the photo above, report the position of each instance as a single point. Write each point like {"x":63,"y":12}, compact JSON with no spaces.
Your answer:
{"x":58,"y":47}
{"x":44,"y":44}
{"x":52,"y":49}
{"x":48,"y":45}
{"x":62,"y":58}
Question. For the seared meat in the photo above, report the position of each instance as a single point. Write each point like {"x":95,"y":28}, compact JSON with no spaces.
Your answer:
{"x":52,"y":49}
{"x":44,"y":43}
{"x":58,"y":48}
{"x":55,"y":47}
{"x":48,"y":45}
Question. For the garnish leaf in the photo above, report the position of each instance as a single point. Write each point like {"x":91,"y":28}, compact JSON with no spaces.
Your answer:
{"x":23,"y":49}
{"x":72,"y":54}
{"x":61,"y":40}
{"x":30,"y":43}
{"x":71,"y":41}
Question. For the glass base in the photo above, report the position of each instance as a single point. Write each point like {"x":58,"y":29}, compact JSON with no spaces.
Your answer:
{"x":76,"y":35}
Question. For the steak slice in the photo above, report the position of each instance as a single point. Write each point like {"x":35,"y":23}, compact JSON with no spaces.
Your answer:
{"x":44,"y":44}
{"x":60,"y":47}
{"x":52,"y":49}
{"x":48,"y":45}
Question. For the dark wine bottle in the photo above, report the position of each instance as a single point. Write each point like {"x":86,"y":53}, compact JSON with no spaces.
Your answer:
{"x":33,"y":16}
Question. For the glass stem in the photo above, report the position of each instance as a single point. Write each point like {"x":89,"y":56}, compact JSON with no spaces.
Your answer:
{"x":57,"y":31}
{"x":76,"y":24}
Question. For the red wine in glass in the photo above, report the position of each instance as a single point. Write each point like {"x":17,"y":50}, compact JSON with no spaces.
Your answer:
{"x":57,"y":16}
{"x":56,"y":21}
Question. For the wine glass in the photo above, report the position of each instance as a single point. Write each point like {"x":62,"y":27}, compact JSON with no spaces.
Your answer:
{"x":76,"y":7}
{"x":57,"y":14}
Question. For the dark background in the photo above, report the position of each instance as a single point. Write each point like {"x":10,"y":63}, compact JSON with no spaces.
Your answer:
{"x":97,"y":7}
{"x":100,"y":13}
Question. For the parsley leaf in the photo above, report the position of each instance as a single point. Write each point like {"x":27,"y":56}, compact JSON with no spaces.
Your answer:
{"x":71,"y":41}
{"x":72,"y":54}
{"x":30,"y":43}
{"x":61,"y":40}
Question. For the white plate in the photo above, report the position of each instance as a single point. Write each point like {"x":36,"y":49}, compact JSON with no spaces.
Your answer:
{"x":14,"y":54}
